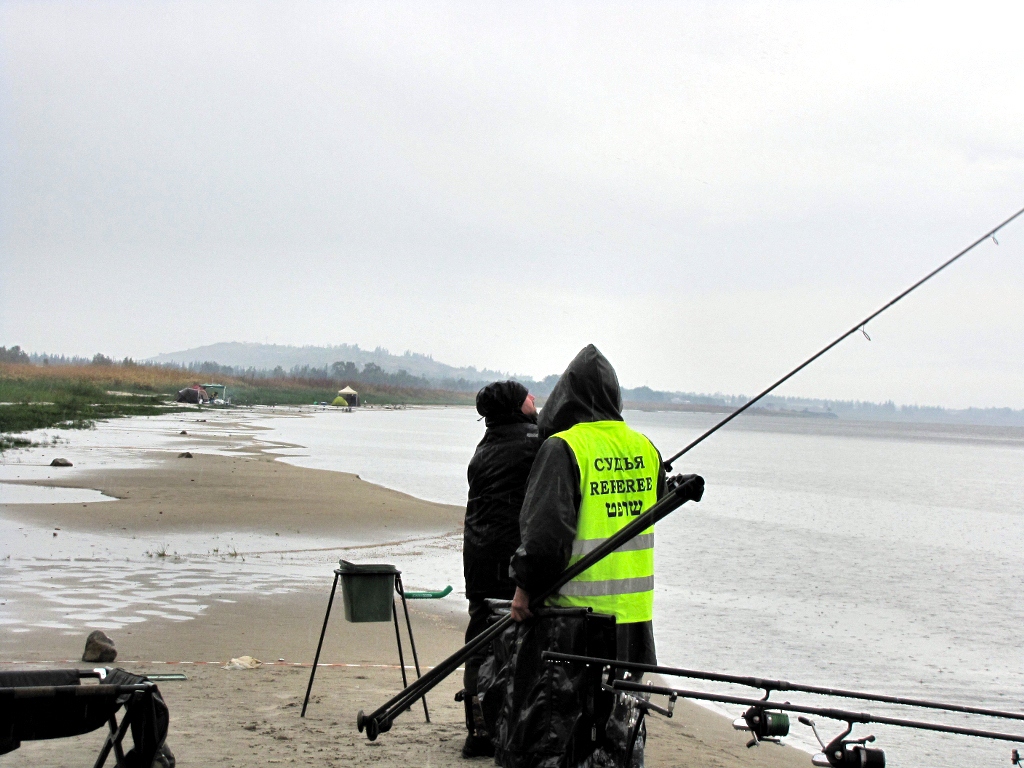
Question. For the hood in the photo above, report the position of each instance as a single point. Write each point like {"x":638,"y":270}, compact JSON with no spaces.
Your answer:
{"x":587,"y":391}
{"x":501,"y":402}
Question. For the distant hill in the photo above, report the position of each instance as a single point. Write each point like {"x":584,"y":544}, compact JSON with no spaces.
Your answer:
{"x":266,"y":357}
{"x":423,"y":371}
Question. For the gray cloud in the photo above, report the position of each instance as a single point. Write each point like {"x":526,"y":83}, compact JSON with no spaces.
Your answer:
{"x":708,"y":191}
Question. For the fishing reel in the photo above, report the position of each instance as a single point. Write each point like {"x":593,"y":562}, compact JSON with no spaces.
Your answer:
{"x":763,"y":725}
{"x":845,"y":753}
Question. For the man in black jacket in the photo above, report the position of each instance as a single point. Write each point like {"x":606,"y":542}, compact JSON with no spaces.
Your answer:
{"x":497,"y":483}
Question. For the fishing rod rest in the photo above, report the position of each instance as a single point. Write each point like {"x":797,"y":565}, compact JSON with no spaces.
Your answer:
{"x":842,"y":752}
{"x":643,"y":705}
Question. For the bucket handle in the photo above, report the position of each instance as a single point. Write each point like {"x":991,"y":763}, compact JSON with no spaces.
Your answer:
{"x":434,"y":595}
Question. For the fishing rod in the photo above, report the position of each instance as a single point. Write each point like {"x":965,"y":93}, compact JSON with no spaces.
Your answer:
{"x":766,"y":720}
{"x":839,"y":752}
{"x":681,"y":489}
{"x":830,"y":712}
{"x":768,"y":685}
{"x":858,"y":327}
{"x":380,"y":720}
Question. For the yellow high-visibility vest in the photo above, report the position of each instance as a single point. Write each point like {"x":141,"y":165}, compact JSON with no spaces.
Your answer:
{"x":619,"y":471}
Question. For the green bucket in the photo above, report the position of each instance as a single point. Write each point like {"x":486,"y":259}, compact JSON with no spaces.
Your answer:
{"x":368,"y":590}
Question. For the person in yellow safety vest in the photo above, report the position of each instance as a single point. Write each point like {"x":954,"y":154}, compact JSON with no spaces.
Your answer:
{"x":592,"y":476}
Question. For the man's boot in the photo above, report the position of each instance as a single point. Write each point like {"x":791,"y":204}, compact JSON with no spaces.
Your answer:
{"x":478,"y":742}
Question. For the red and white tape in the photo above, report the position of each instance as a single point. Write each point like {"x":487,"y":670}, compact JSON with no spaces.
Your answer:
{"x":222,"y":663}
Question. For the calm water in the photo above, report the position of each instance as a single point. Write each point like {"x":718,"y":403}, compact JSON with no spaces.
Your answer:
{"x":872,"y":557}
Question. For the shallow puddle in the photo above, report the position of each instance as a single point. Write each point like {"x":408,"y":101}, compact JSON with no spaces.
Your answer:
{"x":14,"y":493}
{"x":66,"y":581}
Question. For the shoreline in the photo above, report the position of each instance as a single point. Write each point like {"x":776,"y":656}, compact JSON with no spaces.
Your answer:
{"x":227,"y":717}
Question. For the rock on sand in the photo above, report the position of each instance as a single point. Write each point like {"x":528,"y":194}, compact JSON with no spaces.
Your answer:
{"x":99,"y":647}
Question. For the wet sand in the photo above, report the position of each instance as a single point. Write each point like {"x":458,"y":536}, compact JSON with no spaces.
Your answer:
{"x":221,"y":717}
{"x":251,"y":492}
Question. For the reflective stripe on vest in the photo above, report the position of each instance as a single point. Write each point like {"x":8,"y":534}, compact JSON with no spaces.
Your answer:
{"x":609,"y":586}
{"x":619,"y":470}
{"x":586,"y":546}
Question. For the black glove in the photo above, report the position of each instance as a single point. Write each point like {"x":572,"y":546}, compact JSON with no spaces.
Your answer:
{"x":688,"y":487}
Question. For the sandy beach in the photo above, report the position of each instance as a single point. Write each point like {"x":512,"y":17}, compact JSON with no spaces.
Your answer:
{"x":221,"y":717}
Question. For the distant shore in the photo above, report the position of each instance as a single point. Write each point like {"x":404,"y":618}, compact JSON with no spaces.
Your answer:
{"x":226,"y":718}
{"x":643,"y":405}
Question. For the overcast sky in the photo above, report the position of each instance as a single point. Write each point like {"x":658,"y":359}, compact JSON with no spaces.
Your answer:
{"x":707,"y":191}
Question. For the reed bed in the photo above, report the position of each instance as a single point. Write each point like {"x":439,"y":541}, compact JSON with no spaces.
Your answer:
{"x":75,"y":396}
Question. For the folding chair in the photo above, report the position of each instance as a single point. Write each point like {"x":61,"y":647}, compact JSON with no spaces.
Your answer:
{"x":53,"y":704}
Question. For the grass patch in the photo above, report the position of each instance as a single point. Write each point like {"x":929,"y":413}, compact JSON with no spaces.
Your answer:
{"x":151,"y":379}
{"x":22,"y":417}
{"x":45,"y":401}
{"x":75,"y":397}
{"x":305,"y":392}
{"x":14,"y":442}
{"x":21,"y":383}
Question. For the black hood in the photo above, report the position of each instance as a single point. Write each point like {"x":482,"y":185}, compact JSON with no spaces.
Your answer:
{"x":501,"y":402}
{"x":587,"y":391}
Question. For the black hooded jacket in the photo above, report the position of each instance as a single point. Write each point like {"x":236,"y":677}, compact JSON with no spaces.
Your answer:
{"x":497,"y":474}
{"x":587,"y":391}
